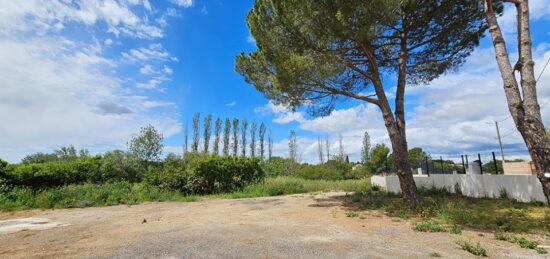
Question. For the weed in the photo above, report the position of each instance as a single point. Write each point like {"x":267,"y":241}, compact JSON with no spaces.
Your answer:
{"x":476,"y":249}
{"x":521,"y":241}
{"x":352,"y":214}
{"x":435,"y":254}
{"x":455,"y":230}
{"x":541,"y":250}
{"x":502,"y":193}
{"x":428,"y":226}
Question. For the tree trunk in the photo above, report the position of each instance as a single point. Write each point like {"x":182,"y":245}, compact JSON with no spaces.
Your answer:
{"x":524,"y":107}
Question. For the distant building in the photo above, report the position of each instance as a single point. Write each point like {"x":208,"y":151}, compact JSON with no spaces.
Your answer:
{"x":519,"y":168}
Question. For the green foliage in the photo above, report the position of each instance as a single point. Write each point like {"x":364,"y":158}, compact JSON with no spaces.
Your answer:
{"x":50,"y":174}
{"x":379,"y":159}
{"x":118,"y":165}
{"x":548,"y":133}
{"x":147,"y":146}
{"x":476,"y":249}
{"x":331,"y":170}
{"x":435,"y":254}
{"x":3,"y":164}
{"x":277,"y":166}
{"x":519,"y":240}
{"x":352,"y":214}
{"x":87,"y":195}
{"x":464,"y":212}
{"x":64,"y":154}
{"x":320,"y":51}
{"x":455,"y":230}
{"x":429,"y":226}
{"x":416,"y":155}
{"x":202,"y":174}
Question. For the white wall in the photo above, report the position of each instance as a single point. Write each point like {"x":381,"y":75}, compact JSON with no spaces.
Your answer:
{"x":520,"y":187}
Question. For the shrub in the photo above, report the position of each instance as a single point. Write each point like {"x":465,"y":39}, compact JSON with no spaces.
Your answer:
{"x":429,"y":226}
{"x":476,"y":249}
{"x":352,"y":214}
{"x":118,"y":166}
{"x":521,"y":241}
{"x":277,"y":166}
{"x":52,"y":174}
{"x":455,"y":230}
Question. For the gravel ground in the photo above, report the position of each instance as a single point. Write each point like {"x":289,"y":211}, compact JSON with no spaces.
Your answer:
{"x":297,"y":226}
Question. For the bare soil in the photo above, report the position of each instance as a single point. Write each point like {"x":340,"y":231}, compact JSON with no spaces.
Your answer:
{"x":296,"y":226}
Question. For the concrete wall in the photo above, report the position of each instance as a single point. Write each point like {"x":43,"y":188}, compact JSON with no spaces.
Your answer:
{"x":520,"y":187}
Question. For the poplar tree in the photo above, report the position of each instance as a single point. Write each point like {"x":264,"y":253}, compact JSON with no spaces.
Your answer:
{"x":217,"y":131}
{"x":235,"y":136}
{"x":270,"y":144}
{"x":226,"y":133}
{"x":207,"y":132}
{"x":318,"y":52}
{"x":292,"y":147}
{"x":261,"y":135}
{"x":327,"y":146}
{"x":320,"y":149}
{"x":244,"y":129}
{"x":196,"y":120}
{"x":186,"y":139}
{"x":365,"y":150}
{"x":253,"y":139}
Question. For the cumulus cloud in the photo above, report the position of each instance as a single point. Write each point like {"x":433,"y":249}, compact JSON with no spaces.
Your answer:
{"x":57,"y":90}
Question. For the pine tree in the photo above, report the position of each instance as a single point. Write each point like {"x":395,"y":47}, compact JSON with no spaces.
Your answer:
{"x":235,"y":136}
{"x":244,"y":129}
{"x":207,"y":132}
{"x":226,"y":133}
{"x":217,"y":131}
{"x":262,"y":137}
{"x":196,"y":120}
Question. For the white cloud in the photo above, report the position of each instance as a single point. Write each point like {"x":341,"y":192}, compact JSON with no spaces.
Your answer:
{"x":183,"y":3}
{"x":108,"y":42}
{"x":152,"y":52}
{"x":43,"y":17}
{"x":231,"y":104}
{"x":147,"y":70}
{"x":55,"y":90}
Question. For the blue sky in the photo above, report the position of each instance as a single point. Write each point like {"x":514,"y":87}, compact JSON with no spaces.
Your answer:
{"x":90,"y":73}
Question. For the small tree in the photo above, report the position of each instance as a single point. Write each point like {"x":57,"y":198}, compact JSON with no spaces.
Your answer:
{"x":147,"y":146}
{"x":262,"y":137}
{"x":217,"y":131}
{"x":226,"y":133}
{"x":235,"y":136}
{"x":253,"y":139}
{"x":292,"y":147}
{"x":365,"y":150}
{"x":244,"y":128}
{"x":66,"y":153}
{"x":196,"y":120}
{"x":379,"y":158}
{"x":207,"y":132}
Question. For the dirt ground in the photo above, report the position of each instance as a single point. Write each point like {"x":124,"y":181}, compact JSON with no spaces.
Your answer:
{"x":297,"y":226}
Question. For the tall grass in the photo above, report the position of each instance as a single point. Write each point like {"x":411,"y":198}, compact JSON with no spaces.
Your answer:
{"x":88,"y":195}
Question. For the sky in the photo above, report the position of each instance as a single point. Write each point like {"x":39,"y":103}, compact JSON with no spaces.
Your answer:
{"x":91,"y":73}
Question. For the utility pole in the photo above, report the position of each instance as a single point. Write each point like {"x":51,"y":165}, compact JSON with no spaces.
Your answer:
{"x":500,"y":142}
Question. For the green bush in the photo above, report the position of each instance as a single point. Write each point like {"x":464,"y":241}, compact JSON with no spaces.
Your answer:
{"x":332,"y":170}
{"x":476,"y":249}
{"x":277,"y":166}
{"x":51,"y":174}
{"x":119,"y":166}
{"x":429,"y":226}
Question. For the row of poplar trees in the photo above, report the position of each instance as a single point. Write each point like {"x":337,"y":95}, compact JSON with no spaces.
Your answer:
{"x":228,"y":143}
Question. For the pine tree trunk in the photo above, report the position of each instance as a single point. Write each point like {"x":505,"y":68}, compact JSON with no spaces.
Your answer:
{"x":523,"y":106}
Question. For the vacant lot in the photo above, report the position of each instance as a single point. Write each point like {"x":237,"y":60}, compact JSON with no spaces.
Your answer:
{"x":304,"y":226}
